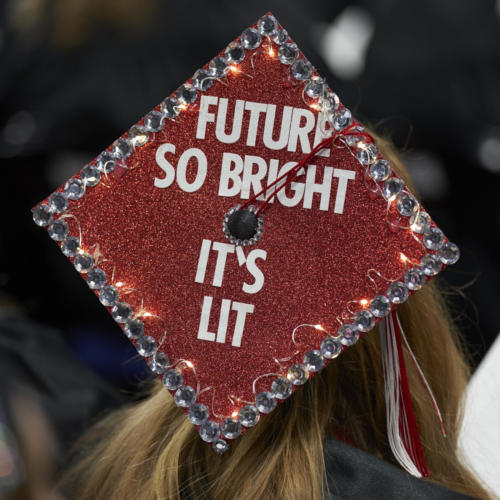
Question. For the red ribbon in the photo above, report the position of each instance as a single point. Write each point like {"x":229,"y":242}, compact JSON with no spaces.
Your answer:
{"x":294,"y":172}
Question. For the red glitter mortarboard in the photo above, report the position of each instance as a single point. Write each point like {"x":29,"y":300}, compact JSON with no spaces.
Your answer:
{"x":245,"y":232}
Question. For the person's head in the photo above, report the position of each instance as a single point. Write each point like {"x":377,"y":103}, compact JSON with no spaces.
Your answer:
{"x":152,"y":451}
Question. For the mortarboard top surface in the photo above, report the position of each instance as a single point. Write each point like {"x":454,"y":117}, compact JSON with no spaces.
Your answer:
{"x":231,"y":319}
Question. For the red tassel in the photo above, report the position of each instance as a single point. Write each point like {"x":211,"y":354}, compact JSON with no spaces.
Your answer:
{"x":402,"y":428}
{"x":408,"y":423}
{"x":422,"y":377}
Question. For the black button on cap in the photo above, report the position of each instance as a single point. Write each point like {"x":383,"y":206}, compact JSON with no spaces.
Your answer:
{"x":243,"y":224}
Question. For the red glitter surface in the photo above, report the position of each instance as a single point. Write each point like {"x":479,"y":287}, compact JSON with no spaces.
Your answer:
{"x":317,"y":261}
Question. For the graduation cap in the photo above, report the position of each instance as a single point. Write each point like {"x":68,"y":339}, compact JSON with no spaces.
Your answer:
{"x":245,"y":232}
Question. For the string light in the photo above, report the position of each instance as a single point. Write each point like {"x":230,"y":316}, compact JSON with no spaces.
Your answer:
{"x":147,"y":315}
{"x":189,"y":364}
{"x":118,"y":284}
{"x":319,"y":327}
{"x":315,"y":106}
{"x":271,"y":52}
{"x":234,"y":69}
{"x":403,"y":257}
{"x":363,"y":302}
{"x":234,"y":414}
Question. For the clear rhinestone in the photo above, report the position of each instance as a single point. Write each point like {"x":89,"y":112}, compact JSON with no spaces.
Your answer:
{"x":392,"y":187}
{"x":248,"y":415}
{"x":348,"y":335}
{"x":280,"y":37}
{"x":297,"y":374}
{"x":433,"y":238}
{"x":134,"y":328}
{"x":380,"y":170}
{"x":138,"y":136}
{"x":352,"y":140}
{"x":202,"y":80}
{"x":366,"y":153}
{"x":341,"y":119}
{"x":121,"y":312}
{"x":414,"y":279}
{"x":301,"y":69}
{"x":122,"y":148}
{"x":154,"y":121}
{"x":74,"y":189}
{"x":420,"y":222}
{"x":313,"y":360}
{"x":108,"y":296}
{"x":235,"y":53}
{"x":330,"y":348}
{"x":146,"y":346}
{"x":96,"y":278}
{"x":83,"y":262}
{"x":90,"y":176}
{"x":329,"y":103}
{"x":265,"y":402}
{"x":251,"y":39}
{"x":186,"y":94}
{"x":397,"y":292}
{"x":106,"y":162}
{"x":281,"y":388}
{"x":209,"y":431}
{"x":218,"y":67}
{"x":172,"y":380}
{"x":220,"y":446}
{"x":159,"y":363}
{"x":380,"y":306}
{"x":449,"y":253}
{"x":58,"y":230}
{"x":170,"y":107}
{"x":406,"y":204}
{"x":314,"y":87}
{"x":58,"y":202}
{"x":185,"y":396}
{"x":231,"y":428}
{"x":198,"y":413}
{"x":42,"y":215}
{"x":430,"y":265}
{"x":364,"y":321}
{"x":70,"y":246}
{"x":288,"y":53}
{"x":267,"y":25}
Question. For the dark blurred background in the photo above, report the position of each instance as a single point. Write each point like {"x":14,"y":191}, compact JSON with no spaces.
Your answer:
{"x":74,"y":74}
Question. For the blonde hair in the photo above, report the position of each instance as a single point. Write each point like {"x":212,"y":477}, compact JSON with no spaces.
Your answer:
{"x":151,"y":451}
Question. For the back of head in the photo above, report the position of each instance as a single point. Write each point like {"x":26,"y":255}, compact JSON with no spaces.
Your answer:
{"x":151,"y":450}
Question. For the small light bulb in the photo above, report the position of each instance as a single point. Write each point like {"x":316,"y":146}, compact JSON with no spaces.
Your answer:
{"x":319,"y":327}
{"x":403,"y":257}
{"x":234,"y":69}
{"x":271,"y":52}
{"x":183,"y":106}
{"x":315,"y":106}
{"x":234,"y":414}
{"x":147,"y":315}
{"x":189,"y":364}
{"x":363,"y":302}
{"x":119,"y":284}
